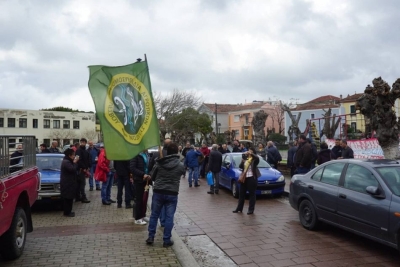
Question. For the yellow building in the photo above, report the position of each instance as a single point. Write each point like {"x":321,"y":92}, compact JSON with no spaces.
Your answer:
{"x":354,"y":119}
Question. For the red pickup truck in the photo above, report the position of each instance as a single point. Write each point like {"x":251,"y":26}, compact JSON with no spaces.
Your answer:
{"x":19,"y":185}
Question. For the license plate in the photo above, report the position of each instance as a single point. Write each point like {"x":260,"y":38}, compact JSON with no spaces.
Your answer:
{"x":266,"y":192}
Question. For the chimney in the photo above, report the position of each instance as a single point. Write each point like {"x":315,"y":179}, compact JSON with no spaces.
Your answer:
{"x":341,"y":97}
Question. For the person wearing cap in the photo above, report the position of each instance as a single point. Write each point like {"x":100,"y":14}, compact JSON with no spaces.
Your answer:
{"x":84,"y":165}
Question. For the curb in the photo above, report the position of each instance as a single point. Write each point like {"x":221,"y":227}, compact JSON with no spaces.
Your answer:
{"x":181,"y":251}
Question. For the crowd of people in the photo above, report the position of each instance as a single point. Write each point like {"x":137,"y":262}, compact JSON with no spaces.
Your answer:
{"x":165,"y":170}
{"x":303,"y":154}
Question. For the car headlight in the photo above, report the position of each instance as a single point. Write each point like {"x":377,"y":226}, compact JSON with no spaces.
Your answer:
{"x":281,"y":179}
{"x":58,"y":187}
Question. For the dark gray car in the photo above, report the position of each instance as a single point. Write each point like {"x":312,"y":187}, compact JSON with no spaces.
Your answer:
{"x":361,"y":196}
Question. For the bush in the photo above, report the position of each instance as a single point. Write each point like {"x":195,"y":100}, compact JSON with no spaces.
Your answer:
{"x":277,"y":138}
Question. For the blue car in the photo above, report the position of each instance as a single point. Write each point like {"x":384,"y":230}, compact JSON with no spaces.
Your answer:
{"x":49,"y":165}
{"x":271,"y":181}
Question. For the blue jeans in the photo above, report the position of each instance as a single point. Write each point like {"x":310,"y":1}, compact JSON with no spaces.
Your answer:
{"x":106,"y":187}
{"x":193,"y":174}
{"x":162,"y":217}
{"x":91,"y":178}
{"x":159,"y":202}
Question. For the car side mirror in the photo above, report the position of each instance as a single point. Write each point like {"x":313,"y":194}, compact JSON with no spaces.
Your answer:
{"x":375,"y":192}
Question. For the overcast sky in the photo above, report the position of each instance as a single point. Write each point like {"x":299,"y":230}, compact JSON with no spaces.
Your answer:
{"x":228,"y":51}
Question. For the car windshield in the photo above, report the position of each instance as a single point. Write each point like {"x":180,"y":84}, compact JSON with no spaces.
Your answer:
{"x":49,"y":163}
{"x":391,"y":176}
{"x":238,"y":158}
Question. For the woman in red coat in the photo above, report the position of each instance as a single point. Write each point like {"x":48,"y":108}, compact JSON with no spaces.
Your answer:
{"x":101,"y":174}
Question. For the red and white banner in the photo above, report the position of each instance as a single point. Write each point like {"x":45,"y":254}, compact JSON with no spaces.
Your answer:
{"x":363,"y":149}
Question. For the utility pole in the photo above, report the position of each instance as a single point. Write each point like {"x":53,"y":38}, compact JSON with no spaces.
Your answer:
{"x":216,"y":119}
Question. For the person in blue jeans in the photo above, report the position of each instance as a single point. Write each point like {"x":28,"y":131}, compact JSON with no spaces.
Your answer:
{"x":106,"y":188}
{"x":192,"y":163}
{"x":166,"y":176}
{"x":94,"y":155}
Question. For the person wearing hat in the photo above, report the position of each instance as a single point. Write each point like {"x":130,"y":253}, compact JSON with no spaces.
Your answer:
{"x":84,"y":165}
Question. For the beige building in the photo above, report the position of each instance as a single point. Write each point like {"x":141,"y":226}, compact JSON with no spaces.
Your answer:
{"x":65,"y":127}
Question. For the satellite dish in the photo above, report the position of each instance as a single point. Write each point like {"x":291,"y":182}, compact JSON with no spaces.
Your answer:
{"x":292,"y":106}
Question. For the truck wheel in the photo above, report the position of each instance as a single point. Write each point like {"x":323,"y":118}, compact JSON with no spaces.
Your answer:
{"x":12,"y":242}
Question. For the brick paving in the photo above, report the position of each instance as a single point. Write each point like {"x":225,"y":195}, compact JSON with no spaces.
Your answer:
{"x":98,"y":236}
{"x":272,"y":236}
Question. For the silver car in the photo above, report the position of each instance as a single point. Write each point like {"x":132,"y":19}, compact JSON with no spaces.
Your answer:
{"x":360,"y":196}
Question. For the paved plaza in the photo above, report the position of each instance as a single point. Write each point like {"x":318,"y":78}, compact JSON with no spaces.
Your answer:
{"x":106,"y":236}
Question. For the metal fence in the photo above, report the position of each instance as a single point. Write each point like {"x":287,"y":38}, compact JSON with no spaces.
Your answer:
{"x":17,"y":152}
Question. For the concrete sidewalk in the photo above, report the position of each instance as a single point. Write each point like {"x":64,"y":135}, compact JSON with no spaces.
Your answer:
{"x":99,"y":235}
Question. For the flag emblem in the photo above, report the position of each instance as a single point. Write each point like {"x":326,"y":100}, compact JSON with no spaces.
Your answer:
{"x":129,"y":107}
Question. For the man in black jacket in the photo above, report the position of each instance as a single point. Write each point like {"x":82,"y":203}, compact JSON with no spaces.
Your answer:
{"x":214,"y":166}
{"x":83,"y":170}
{"x":303,"y":157}
{"x":273,"y":155}
{"x":123,"y":180}
{"x":336,"y":150}
{"x":166,"y":176}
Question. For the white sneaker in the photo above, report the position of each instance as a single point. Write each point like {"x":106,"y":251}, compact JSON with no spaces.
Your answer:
{"x":140,"y":222}
{"x":146,"y":219}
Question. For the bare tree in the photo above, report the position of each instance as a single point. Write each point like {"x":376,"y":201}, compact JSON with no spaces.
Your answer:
{"x":377,"y":104}
{"x":294,"y":127}
{"x":90,"y":134}
{"x":167,"y":106}
{"x":277,"y":114}
{"x":330,"y":125}
{"x":258,"y":123}
{"x":62,"y":134}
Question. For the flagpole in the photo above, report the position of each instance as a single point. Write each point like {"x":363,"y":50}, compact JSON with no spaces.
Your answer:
{"x":147,"y":65}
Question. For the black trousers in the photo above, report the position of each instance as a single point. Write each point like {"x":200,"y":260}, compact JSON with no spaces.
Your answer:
{"x":250,"y":185}
{"x":124,"y":181}
{"x":80,"y":189}
{"x":67,"y":205}
{"x":138,"y":210}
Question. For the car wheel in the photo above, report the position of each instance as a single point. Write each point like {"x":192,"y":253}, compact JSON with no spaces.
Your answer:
{"x":12,"y":242}
{"x":307,"y":215}
{"x":235,"y":190}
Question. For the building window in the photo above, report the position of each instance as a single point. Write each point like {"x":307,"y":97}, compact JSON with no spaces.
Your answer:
{"x":46,"y":123}
{"x":66,"y":142}
{"x":354,"y":126}
{"x":76,"y":124}
{"x":56,"y":124}
{"x":294,"y":117}
{"x":246,"y":133}
{"x":1,"y":122}
{"x":75,"y":141}
{"x":66,"y":124}
{"x":47,"y":142}
{"x":353,"y":109}
{"x":23,"y":123}
{"x":35,"y":123}
{"x":236,"y":118}
{"x":11,"y":123}
{"x":312,"y":116}
{"x":246,"y":119}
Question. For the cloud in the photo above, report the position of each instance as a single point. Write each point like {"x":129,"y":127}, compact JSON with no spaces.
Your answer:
{"x":228,"y":51}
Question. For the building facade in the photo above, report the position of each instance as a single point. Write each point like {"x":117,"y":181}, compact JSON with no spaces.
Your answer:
{"x":65,"y":127}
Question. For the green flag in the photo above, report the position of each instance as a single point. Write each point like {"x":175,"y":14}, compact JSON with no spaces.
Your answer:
{"x":125,"y":107}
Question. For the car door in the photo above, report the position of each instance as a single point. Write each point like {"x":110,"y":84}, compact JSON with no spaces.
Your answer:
{"x":323,"y":189}
{"x":359,"y":210}
{"x":224,"y":171}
